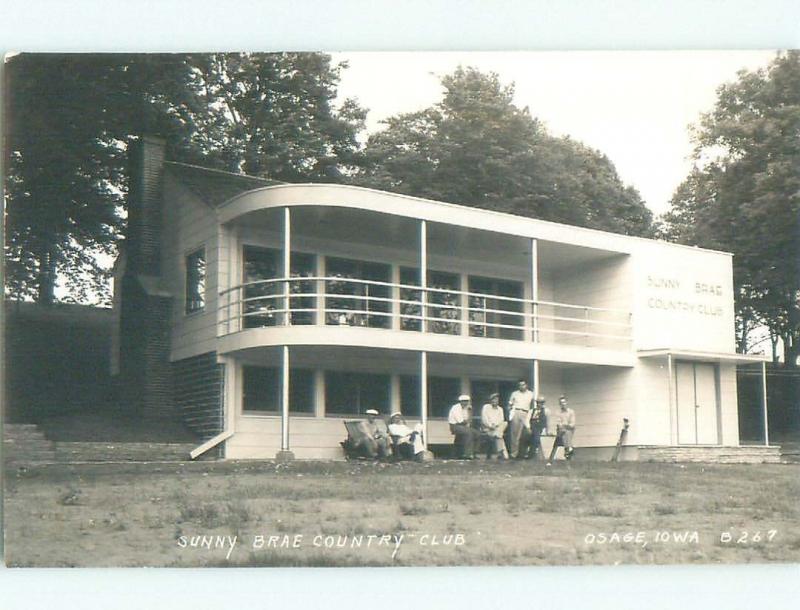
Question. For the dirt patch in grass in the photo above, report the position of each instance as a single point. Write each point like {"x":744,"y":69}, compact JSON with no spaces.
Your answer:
{"x":439,"y":513}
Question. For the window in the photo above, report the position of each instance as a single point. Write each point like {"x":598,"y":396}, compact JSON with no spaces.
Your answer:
{"x":353,"y":393}
{"x":262,"y":390}
{"x":410,"y":402}
{"x":357,"y":303}
{"x":444,"y":305}
{"x":263,"y":300}
{"x":480,"y":389}
{"x":410,"y":300}
{"x":443,"y":393}
{"x":196,"y":281}
{"x":486,"y":312}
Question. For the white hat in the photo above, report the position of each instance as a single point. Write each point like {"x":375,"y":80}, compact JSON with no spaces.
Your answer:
{"x":371,"y":412}
{"x":464,"y":397}
{"x":396,"y":414}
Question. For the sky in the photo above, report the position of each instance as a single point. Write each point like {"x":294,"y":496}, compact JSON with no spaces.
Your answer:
{"x":634,"y":106}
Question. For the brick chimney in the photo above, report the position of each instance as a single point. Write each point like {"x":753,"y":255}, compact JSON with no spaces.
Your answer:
{"x":146,"y":175}
{"x":145,"y":305}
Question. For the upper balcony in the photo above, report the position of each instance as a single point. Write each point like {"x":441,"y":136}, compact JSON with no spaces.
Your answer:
{"x":354,"y":267}
{"x":334,"y":309}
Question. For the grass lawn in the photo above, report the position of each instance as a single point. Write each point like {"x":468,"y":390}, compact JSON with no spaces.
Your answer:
{"x":440,"y":513}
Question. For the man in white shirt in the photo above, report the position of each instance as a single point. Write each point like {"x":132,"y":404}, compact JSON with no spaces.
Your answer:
{"x":493,"y":424}
{"x":460,"y":420}
{"x":407,"y":441}
{"x":519,"y":415}
{"x":565,"y":428}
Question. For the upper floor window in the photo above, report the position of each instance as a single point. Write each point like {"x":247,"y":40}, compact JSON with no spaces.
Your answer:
{"x":358,"y":293}
{"x":196,"y":281}
{"x":263,"y":300}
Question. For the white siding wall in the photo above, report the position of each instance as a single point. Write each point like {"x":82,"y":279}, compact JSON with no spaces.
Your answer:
{"x":683,"y":298}
{"x":651,"y":423}
{"x":189,"y":224}
{"x":601,"y":398}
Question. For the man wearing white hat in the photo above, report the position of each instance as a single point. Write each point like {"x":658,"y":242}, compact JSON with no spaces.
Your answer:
{"x":493,"y":425}
{"x":375,"y":442}
{"x":460,"y":420}
{"x":407,"y":441}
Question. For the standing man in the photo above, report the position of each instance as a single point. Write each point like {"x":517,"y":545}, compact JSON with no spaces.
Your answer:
{"x":493,"y":424}
{"x":460,"y":420}
{"x":565,"y":428}
{"x":519,"y":415}
{"x":538,"y":427}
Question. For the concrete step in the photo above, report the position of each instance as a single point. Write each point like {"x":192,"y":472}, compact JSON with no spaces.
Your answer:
{"x":751,"y":454}
{"x":25,"y":444}
{"x":122,"y":452}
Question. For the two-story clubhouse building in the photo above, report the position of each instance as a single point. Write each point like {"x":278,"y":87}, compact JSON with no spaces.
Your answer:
{"x":265,"y":314}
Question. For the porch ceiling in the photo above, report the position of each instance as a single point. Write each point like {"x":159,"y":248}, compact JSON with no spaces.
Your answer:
{"x":347,"y":225}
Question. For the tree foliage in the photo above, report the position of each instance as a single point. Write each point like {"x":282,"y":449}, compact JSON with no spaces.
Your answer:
{"x":71,"y":117}
{"x":743,"y":196}
{"x":476,"y":147}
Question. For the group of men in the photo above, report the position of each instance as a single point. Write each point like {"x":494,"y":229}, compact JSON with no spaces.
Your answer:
{"x":522,"y":425}
{"x":398,"y":438}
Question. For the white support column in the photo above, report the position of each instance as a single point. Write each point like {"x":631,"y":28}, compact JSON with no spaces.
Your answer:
{"x":319,"y":393}
{"x":535,"y":382}
{"x":464,"y":301}
{"x":535,"y":289}
{"x":287,"y":262}
{"x":673,"y":433}
{"x":395,"y":295}
{"x":394,"y":393}
{"x":284,"y":454}
{"x":764,"y":401}
{"x":423,"y":394}
{"x":320,"y":284}
{"x":423,"y":270}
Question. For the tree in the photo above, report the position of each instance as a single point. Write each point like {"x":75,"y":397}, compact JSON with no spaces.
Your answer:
{"x":477,"y":148}
{"x":272,"y":115}
{"x":71,"y":117}
{"x":743,"y":196}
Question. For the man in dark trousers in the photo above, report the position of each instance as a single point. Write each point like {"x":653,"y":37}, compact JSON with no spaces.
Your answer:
{"x":538,"y":427}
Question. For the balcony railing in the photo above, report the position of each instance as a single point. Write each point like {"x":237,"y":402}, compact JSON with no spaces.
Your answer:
{"x":344,"y":301}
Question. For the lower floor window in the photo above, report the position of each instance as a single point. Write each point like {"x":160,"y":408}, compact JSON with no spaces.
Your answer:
{"x":354,"y":393}
{"x":261,"y":390}
{"x":442,"y":394}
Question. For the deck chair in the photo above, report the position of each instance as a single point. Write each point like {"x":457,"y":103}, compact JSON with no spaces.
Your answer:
{"x":351,"y":445}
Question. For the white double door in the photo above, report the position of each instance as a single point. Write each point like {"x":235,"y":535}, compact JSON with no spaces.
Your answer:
{"x":697,"y":405}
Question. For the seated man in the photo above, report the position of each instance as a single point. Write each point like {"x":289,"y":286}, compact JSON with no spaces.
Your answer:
{"x":407,"y":441}
{"x":375,"y":442}
{"x":460,"y":420}
{"x":493,"y":425}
